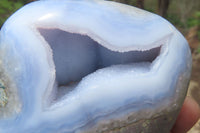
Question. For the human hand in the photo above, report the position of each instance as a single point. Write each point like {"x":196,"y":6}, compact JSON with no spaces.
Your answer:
{"x":188,"y":116}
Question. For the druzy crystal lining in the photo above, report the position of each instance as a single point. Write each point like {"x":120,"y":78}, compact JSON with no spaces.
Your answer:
{"x":76,"y":55}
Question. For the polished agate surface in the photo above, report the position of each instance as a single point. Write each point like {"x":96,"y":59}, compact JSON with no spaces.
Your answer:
{"x":90,"y":66}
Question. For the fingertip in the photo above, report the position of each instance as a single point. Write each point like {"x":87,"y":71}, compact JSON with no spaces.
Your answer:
{"x":188,"y":116}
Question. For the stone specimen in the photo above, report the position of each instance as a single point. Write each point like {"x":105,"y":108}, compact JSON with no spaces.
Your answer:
{"x":90,"y":66}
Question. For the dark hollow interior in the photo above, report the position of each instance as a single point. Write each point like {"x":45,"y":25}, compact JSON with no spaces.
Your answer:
{"x":75,"y":55}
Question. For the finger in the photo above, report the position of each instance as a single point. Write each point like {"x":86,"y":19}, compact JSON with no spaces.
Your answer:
{"x":188,"y":116}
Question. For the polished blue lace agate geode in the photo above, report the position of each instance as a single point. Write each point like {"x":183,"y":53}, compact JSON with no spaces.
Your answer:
{"x":90,"y":66}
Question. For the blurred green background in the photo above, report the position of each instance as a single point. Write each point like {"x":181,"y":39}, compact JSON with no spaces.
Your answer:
{"x":7,"y":7}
